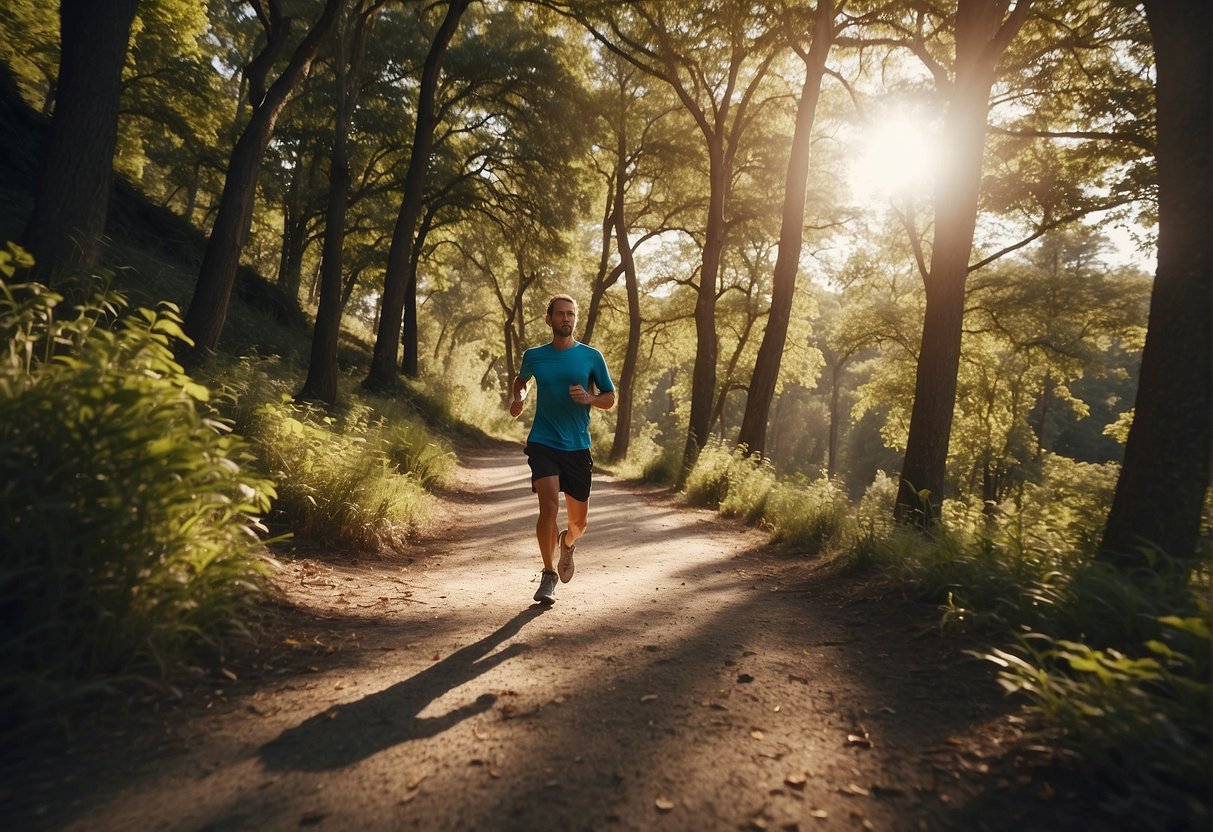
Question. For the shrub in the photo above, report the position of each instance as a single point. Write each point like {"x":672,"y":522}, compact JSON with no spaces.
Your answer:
{"x":1141,"y":718}
{"x":708,"y":482}
{"x":127,"y":519}
{"x":812,"y":515}
{"x":334,"y":486}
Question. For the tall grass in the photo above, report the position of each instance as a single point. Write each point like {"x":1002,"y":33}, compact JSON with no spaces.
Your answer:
{"x":814,"y":515}
{"x":128,"y":515}
{"x":356,"y":477}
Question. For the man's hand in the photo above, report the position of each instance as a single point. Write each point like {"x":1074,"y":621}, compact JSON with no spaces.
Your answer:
{"x":580,"y":395}
{"x":518,"y":391}
{"x":516,"y":404}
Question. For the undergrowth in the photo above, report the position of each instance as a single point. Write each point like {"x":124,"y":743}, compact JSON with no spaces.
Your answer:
{"x":128,"y":513}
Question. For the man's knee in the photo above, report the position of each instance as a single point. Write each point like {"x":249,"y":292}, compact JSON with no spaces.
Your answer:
{"x":579,"y":525}
{"x":548,"y":506}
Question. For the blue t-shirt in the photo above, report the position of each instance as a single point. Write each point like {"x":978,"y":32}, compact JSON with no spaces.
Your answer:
{"x":560,"y":422}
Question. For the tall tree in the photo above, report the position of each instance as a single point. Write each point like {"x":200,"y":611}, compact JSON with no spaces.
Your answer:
{"x":397,"y":291}
{"x":791,"y":233}
{"x":1166,"y":471}
{"x":715,"y":58}
{"x":983,"y":31}
{"x":349,"y":47}
{"x":72,"y":197}
{"x":212,"y":294}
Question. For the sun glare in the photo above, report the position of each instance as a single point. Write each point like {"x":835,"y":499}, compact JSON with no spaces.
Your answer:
{"x":897,"y":157}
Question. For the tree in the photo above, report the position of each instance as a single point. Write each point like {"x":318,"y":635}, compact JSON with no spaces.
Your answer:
{"x":1162,"y":486}
{"x":983,"y":31}
{"x":212,"y":294}
{"x":791,"y":233}
{"x":397,"y":290}
{"x":350,"y":46}
{"x":715,"y":58}
{"x":72,"y":198}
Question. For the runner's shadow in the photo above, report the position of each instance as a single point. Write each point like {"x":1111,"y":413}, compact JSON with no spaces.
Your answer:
{"x":345,"y":734}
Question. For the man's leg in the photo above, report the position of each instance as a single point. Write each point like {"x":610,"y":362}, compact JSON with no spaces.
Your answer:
{"x":578,"y":513}
{"x":548,"y":491}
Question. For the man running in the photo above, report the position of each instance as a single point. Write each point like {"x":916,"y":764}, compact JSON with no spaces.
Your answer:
{"x":558,"y":446}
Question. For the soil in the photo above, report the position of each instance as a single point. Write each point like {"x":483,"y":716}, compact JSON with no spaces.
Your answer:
{"x":690,"y":677}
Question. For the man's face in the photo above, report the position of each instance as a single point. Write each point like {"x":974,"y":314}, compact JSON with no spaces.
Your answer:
{"x":563,"y":318}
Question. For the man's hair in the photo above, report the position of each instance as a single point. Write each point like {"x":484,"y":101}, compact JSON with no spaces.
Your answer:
{"x":552,"y":302}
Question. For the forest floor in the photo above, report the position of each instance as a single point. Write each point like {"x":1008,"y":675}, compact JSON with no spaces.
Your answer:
{"x":689,"y":677}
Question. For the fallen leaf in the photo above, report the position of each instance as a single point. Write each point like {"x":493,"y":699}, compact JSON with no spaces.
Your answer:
{"x":229,"y":674}
{"x":860,"y":740}
{"x":796,"y":780}
{"x":664,"y":804}
{"x":290,"y":642}
{"x":648,"y":697}
{"x":757,"y":735}
{"x":416,"y":781}
{"x":852,"y":788}
{"x":821,"y":814}
{"x":758,"y":823}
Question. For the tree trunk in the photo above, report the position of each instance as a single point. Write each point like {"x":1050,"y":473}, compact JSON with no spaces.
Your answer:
{"x":981,"y":38}
{"x":384,"y":360}
{"x":605,"y":277}
{"x":770,"y":354}
{"x":1162,"y":484}
{"x":703,"y":375}
{"x":836,"y":368}
{"x":322,"y":371}
{"x":76,"y":174}
{"x":627,"y":378}
{"x":411,"y":346}
{"x":213,"y":292}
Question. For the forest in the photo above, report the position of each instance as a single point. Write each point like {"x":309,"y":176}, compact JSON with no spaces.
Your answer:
{"x":922,"y":286}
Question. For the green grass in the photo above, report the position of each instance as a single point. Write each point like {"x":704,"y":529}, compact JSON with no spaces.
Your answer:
{"x":128,"y":515}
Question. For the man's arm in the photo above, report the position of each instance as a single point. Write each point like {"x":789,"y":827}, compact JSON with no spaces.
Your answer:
{"x":518,"y":391}
{"x":605,"y":401}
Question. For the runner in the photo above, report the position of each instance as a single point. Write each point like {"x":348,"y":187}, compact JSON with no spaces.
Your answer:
{"x":570,"y":378}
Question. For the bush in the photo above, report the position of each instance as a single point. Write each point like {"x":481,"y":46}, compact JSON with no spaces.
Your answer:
{"x":127,"y":520}
{"x":335,"y":487}
{"x":1141,"y":719}
{"x":812,"y":515}
{"x":708,"y":482}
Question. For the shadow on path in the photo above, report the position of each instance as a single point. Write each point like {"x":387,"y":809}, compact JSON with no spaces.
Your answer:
{"x":345,"y":734}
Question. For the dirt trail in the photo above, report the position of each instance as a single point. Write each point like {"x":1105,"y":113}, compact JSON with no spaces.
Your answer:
{"x":689,"y":677}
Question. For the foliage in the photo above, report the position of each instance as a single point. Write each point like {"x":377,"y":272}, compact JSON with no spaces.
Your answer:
{"x":128,"y":526}
{"x":1141,"y":718}
{"x":356,"y":478}
{"x":1117,"y":665}
{"x":808,"y":514}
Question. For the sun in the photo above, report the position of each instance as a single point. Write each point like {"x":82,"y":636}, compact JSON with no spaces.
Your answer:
{"x":896,"y":157}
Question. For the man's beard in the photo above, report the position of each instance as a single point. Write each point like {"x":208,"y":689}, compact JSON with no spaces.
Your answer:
{"x":563,"y":330}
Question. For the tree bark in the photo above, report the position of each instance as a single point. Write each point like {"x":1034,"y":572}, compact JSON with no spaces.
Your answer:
{"x":981,"y":38}
{"x":770,"y":353}
{"x":72,"y":199}
{"x":605,"y":277}
{"x":412,"y":349}
{"x":322,"y":371}
{"x":384,"y":360}
{"x":1159,"y":495}
{"x":703,"y":374}
{"x":212,"y":295}
{"x":627,"y":378}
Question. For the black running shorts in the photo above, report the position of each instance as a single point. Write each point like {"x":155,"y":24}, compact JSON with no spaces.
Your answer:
{"x":573,"y":468}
